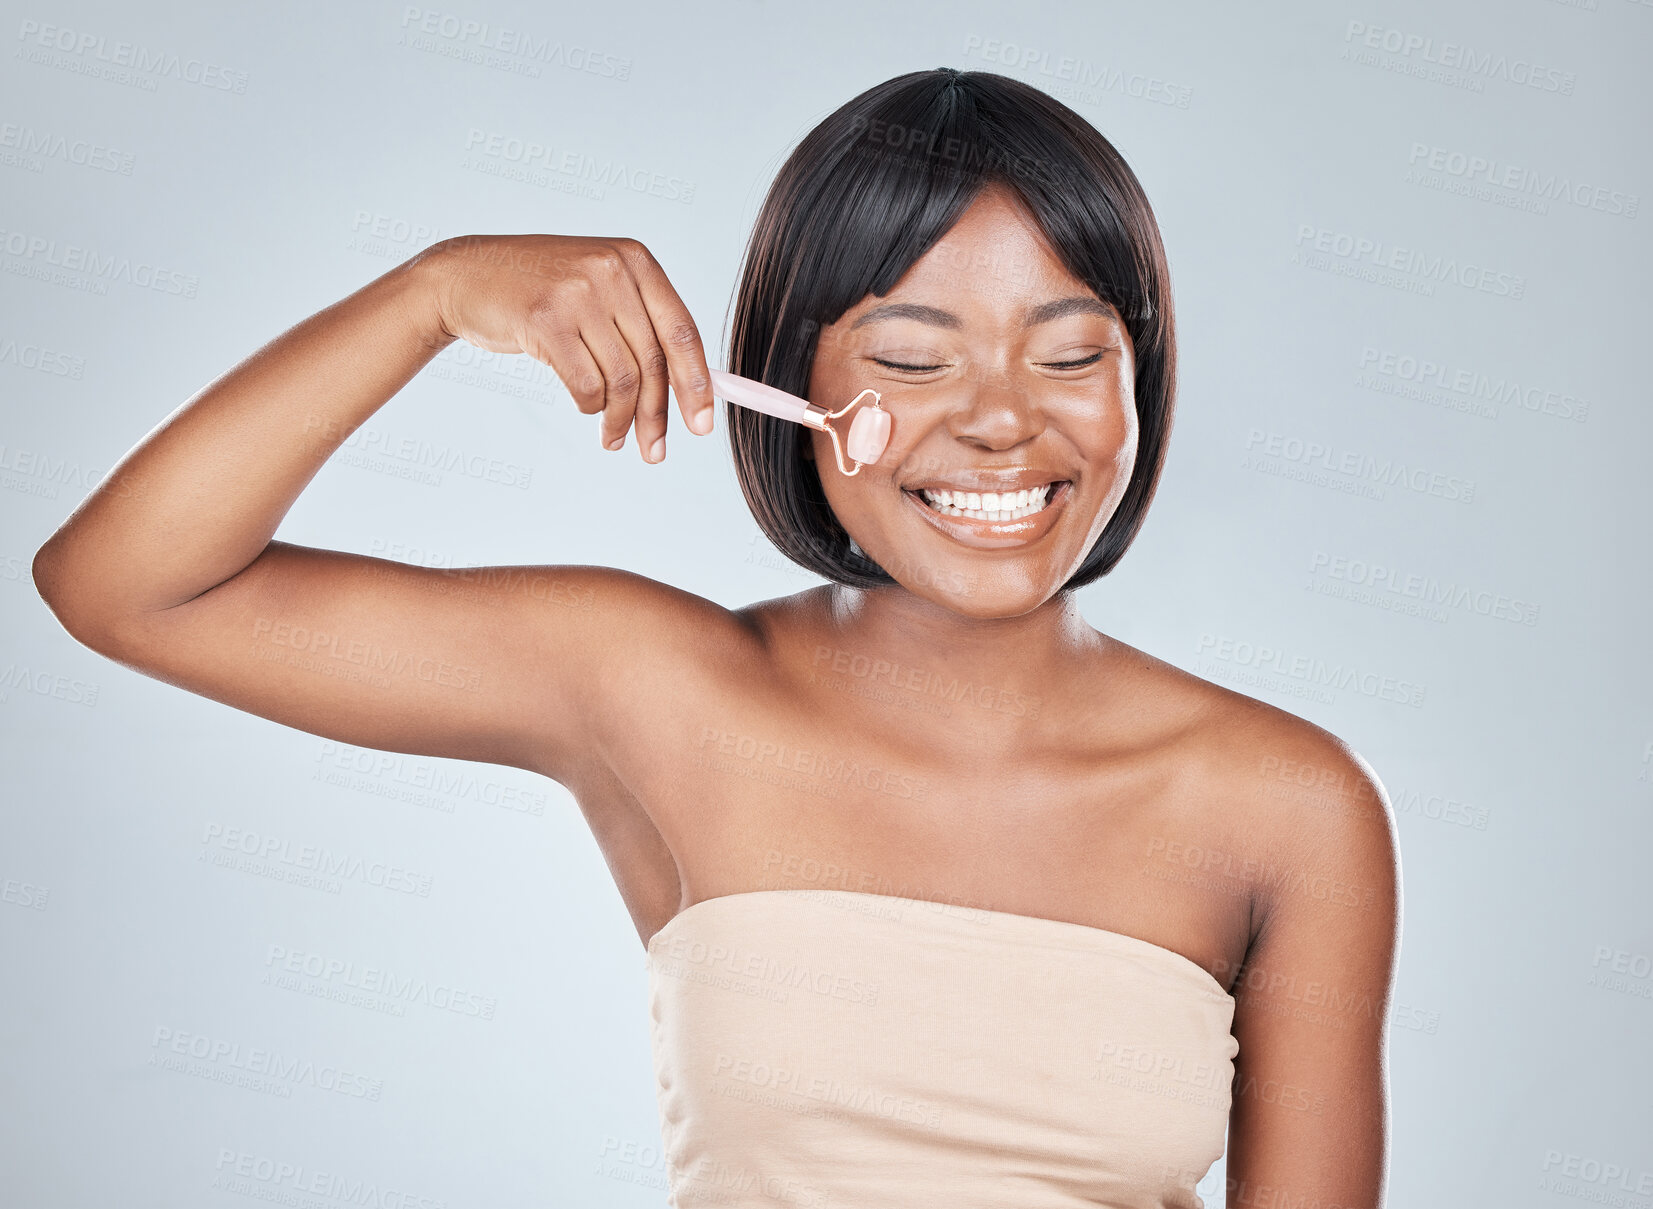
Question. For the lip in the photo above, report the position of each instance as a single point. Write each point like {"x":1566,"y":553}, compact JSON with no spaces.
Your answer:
{"x":987,"y":480}
{"x":990,"y":535}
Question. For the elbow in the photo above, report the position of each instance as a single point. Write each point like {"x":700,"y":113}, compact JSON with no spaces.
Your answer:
{"x":55,"y":582}
{"x":46,"y":571}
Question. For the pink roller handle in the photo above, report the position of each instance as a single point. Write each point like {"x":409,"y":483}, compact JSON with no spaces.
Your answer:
{"x":869,"y":431}
{"x":758,"y":396}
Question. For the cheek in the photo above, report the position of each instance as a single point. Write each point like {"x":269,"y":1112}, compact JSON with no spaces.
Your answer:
{"x":1119,"y":455}
{"x":1116,"y":428}
{"x":1106,"y":442}
{"x":842,"y":494}
{"x":859,"y":501}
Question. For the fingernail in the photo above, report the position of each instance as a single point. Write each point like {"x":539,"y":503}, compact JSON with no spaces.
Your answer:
{"x":702,"y":422}
{"x":658,"y":449}
{"x":614,"y":443}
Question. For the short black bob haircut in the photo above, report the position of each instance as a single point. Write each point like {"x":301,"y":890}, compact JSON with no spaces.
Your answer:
{"x":865,"y":194}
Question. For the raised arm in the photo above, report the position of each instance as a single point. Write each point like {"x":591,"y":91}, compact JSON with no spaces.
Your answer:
{"x":169,"y":567}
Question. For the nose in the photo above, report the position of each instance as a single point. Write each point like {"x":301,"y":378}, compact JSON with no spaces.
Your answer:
{"x":996,"y":411}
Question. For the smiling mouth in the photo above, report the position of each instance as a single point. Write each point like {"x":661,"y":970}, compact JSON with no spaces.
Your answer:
{"x":995,"y":508}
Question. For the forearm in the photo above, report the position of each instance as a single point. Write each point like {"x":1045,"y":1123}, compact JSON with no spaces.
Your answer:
{"x":199,"y":498}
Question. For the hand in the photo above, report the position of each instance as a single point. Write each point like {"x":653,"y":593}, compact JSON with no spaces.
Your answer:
{"x":599,"y":311}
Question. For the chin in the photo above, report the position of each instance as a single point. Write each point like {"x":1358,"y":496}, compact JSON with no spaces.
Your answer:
{"x":969,"y":592}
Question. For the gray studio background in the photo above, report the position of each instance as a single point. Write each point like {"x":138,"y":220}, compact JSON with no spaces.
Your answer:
{"x":1402,"y":236}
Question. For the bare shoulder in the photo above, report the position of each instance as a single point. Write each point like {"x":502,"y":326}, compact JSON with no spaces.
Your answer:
{"x":1298,"y":819}
{"x":1316,"y":803}
{"x":679,"y":617}
{"x":656,"y":641}
{"x":1290,"y":779}
{"x":641,"y":653}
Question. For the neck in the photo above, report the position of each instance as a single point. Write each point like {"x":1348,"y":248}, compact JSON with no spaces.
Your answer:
{"x":1003,"y":662}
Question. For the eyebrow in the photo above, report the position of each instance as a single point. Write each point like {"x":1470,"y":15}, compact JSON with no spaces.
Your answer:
{"x":1082,"y":304}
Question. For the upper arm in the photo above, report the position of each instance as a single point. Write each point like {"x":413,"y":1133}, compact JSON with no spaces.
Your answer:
{"x":1309,"y":1119}
{"x":516,"y":665}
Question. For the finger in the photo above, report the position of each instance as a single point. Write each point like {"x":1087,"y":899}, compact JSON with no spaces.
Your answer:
{"x":564,"y":351}
{"x":621,"y":378}
{"x":649,"y":422}
{"x":678,"y":336}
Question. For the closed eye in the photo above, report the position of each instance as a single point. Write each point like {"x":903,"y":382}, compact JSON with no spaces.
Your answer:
{"x":922,"y":369}
{"x":911,"y":369}
{"x":1084,"y":361}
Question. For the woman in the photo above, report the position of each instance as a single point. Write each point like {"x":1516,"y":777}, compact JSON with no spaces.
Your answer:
{"x":948,"y":898}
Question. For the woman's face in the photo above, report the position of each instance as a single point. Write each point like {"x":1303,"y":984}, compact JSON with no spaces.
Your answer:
{"x":1001,"y":372}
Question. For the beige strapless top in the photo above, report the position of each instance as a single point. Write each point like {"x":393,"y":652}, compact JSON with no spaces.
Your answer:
{"x":834,"y":1049}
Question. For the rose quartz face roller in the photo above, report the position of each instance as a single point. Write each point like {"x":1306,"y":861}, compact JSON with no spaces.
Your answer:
{"x":869,"y":431}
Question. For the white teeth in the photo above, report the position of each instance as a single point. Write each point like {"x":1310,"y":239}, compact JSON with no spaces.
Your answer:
{"x":988,"y":505}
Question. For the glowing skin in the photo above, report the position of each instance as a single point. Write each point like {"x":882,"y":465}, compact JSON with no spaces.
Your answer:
{"x":962,"y":732}
{"x":993,"y":393}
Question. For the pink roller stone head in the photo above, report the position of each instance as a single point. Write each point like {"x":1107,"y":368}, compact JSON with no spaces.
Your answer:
{"x":869,"y":431}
